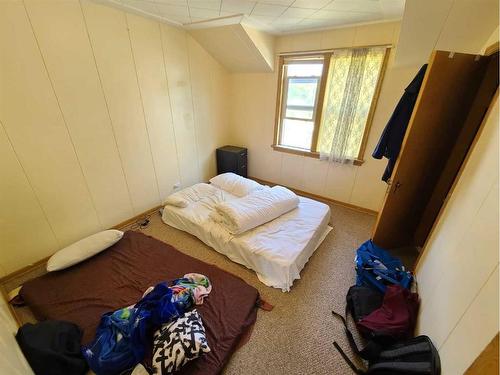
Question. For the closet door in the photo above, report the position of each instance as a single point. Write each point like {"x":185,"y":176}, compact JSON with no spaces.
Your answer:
{"x":472,"y":124}
{"x":448,"y":89}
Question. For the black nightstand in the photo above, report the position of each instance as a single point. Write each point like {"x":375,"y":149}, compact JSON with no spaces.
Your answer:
{"x":232,"y":159}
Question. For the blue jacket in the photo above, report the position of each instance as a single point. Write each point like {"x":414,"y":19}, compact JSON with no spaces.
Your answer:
{"x":391,"y":139}
{"x":123,"y":335}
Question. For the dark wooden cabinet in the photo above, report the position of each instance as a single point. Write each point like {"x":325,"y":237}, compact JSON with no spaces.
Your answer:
{"x":232,"y":159}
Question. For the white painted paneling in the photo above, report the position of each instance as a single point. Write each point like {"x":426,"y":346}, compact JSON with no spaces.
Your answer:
{"x":292,"y":171}
{"x":264,"y":43}
{"x":315,"y":173}
{"x":382,"y":33}
{"x":307,"y":42}
{"x":110,"y":39}
{"x":368,"y":191}
{"x":339,"y":183}
{"x":201,"y":63}
{"x":32,"y":119}
{"x":452,"y":25}
{"x":338,"y":38}
{"x":234,"y":47}
{"x":477,"y":327}
{"x":481,"y":16}
{"x":252,"y":110}
{"x":87,"y":135}
{"x":420,"y":29}
{"x":256,"y":99}
{"x":20,"y":214}
{"x":476,"y":257}
{"x":264,"y":163}
{"x":220,"y":92}
{"x":177,"y":64}
{"x":148,"y":54}
{"x":71,"y":67}
{"x":237,"y":114}
{"x":456,"y":268}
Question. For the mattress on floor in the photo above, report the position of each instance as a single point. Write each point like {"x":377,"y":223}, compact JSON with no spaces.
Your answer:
{"x":277,"y":251}
{"x":118,"y":277}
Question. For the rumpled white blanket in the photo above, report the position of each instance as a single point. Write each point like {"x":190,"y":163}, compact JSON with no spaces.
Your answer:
{"x":242,"y":214}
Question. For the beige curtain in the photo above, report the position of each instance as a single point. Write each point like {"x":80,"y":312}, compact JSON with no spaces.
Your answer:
{"x":352,"y":80}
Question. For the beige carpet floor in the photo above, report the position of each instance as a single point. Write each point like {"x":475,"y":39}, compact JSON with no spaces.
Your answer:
{"x":296,"y":336}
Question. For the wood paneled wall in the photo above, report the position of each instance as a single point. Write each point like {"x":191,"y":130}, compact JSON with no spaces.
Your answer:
{"x":101,"y":113}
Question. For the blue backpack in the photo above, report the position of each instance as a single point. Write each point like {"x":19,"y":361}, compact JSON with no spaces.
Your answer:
{"x":376,"y":268}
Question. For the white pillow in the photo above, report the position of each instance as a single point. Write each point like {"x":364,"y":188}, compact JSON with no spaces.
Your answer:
{"x":83,"y":249}
{"x":190,"y":194}
{"x":176,"y":200}
{"x":234,"y":184}
{"x":178,"y":342}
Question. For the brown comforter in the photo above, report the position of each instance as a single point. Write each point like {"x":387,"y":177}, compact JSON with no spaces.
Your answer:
{"x":118,"y":277}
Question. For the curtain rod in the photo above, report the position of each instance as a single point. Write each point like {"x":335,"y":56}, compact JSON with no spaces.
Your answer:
{"x":312,"y":52}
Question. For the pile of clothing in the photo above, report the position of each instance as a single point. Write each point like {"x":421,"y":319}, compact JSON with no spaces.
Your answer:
{"x":161,"y":322}
{"x":124,"y":336}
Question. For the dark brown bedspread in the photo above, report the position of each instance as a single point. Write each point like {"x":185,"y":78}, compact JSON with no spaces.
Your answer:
{"x":118,"y":277}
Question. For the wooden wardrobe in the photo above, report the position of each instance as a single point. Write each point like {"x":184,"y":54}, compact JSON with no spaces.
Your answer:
{"x":455,"y":95}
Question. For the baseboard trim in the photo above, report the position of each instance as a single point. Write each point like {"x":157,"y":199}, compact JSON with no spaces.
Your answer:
{"x":136,"y":218}
{"x":320,"y":198}
{"x":42,"y":262}
{"x":31,"y":266}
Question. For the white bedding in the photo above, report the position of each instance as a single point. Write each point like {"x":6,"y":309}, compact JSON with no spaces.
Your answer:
{"x":260,"y":207}
{"x":277,"y":251}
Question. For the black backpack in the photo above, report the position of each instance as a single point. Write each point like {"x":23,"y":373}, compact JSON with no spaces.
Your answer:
{"x":52,"y":347}
{"x":416,"y":356}
{"x":360,"y":302}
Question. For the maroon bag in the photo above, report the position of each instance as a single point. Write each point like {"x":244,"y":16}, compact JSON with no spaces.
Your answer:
{"x":396,"y":318}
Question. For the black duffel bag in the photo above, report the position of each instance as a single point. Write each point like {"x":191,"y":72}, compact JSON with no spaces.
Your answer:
{"x":416,"y":356}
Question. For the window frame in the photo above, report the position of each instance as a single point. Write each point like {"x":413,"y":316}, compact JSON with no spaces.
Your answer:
{"x":320,"y":95}
{"x":318,"y":101}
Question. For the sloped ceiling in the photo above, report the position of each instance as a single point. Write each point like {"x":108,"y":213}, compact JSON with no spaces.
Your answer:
{"x":240,"y":33}
{"x":273,"y":16}
{"x":238,"y":48}
{"x":449,"y":25}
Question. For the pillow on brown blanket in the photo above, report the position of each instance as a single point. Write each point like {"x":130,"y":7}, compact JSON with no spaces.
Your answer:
{"x":179,"y":342}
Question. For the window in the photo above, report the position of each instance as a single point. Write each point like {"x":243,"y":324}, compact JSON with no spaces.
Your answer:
{"x":301,"y":86}
{"x":326,"y":101}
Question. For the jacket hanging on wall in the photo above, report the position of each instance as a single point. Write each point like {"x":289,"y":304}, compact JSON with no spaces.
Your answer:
{"x":391,"y":139}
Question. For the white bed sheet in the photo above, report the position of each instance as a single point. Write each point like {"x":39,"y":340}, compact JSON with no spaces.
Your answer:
{"x":277,"y":251}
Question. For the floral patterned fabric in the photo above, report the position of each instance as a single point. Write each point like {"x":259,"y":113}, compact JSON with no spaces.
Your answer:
{"x":349,"y":93}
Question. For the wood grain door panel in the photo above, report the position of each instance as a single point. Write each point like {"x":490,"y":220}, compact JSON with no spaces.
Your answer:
{"x":448,"y":89}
